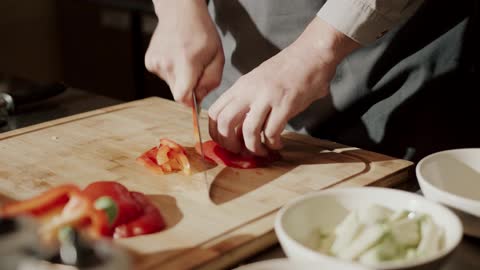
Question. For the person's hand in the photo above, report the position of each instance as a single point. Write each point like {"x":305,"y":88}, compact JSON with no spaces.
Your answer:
{"x":185,"y":49}
{"x":261,"y":102}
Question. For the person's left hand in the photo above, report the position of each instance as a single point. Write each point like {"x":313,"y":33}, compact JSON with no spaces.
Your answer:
{"x":262,"y":101}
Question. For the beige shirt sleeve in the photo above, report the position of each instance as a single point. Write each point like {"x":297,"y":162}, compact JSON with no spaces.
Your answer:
{"x":367,"y":20}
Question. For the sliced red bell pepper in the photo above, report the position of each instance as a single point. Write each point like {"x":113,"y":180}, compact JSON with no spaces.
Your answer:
{"x":72,"y":207}
{"x":149,"y":161}
{"x":173,"y":145}
{"x":80,"y":209}
{"x":219,"y":155}
{"x":166,"y":158}
{"x":78,"y":212}
{"x":128,"y":209}
{"x":151,"y":220}
{"x":39,"y":205}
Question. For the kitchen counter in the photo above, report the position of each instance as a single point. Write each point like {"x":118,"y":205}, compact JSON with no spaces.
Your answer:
{"x":73,"y":101}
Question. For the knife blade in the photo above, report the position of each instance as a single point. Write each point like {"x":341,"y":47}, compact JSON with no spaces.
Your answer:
{"x":198,"y":136}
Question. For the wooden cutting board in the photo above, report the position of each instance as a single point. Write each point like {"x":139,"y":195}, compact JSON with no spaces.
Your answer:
{"x":207,"y":229}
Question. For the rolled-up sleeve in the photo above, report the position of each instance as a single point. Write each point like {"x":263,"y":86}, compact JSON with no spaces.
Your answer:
{"x":367,"y":20}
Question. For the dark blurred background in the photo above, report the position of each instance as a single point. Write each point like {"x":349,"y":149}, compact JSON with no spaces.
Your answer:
{"x":95,"y":45}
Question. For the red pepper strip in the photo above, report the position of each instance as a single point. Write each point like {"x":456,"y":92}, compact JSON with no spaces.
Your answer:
{"x":173,"y":145}
{"x":149,"y":160}
{"x":79,"y":212}
{"x":162,"y":154}
{"x":166,"y":158}
{"x":151,"y":221}
{"x":41,"y":204}
{"x":219,"y":155}
{"x":177,"y":155}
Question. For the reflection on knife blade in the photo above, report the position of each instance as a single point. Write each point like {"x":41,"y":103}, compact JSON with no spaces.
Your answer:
{"x":198,"y":137}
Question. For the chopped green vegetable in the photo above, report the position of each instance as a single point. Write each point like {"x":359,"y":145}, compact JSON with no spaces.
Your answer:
{"x":406,"y":231}
{"x":401,"y":214}
{"x":373,"y":214}
{"x":346,"y":232}
{"x":365,"y":240}
{"x":386,"y":250}
{"x":375,"y":234}
{"x":431,"y":238}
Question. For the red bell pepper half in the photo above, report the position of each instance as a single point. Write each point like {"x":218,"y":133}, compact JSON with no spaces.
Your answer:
{"x":219,"y":155}
{"x":103,"y":208}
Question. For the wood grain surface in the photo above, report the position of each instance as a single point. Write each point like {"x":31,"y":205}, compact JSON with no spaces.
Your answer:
{"x":208,"y":227}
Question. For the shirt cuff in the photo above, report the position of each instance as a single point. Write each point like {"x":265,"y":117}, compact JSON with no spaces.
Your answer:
{"x":358,"y":20}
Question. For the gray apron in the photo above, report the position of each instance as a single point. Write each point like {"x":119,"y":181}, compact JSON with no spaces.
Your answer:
{"x":409,"y":94}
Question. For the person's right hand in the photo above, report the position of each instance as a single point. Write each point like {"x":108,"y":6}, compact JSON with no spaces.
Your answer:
{"x":185,"y":49}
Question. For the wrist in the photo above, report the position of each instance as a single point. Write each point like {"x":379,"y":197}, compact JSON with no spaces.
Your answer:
{"x":162,"y":6}
{"x":326,"y":42}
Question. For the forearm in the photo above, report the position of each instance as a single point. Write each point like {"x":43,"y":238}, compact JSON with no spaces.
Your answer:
{"x":325,"y":44}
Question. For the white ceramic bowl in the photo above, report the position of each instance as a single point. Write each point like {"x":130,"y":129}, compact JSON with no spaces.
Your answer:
{"x":452,"y":178}
{"x":285,"y":264}
{"x":325,"y":209}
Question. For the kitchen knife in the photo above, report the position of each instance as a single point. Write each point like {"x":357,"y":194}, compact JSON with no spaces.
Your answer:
{"x":198,"y":136}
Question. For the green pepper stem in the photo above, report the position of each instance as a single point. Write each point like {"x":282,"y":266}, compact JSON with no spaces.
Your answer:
{"x":108,"y":205}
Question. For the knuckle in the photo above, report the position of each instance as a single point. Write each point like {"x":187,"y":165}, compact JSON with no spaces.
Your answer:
{"x":256,"y":148}
{"x":224,"y":123}
{"x":150,"y":64}
{"x":250,"y":145}
{"x":270,"y":134}
{"x":179,"y":96}
{"x":159,"y":66}
{"x":212,"y":114}
{"x":249,"y":130}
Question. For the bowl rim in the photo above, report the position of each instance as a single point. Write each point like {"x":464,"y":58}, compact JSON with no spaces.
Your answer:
{"x":452,"y":197}
{"x":286,"y":263}
{"x":281,"y":233}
